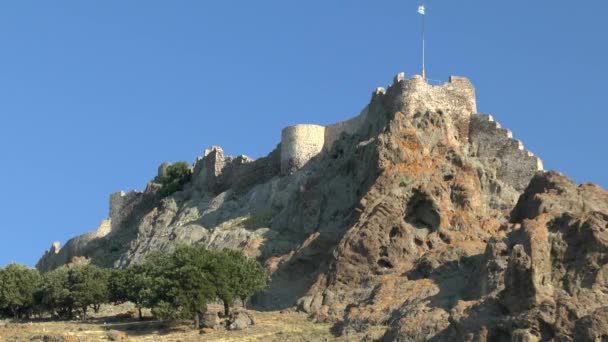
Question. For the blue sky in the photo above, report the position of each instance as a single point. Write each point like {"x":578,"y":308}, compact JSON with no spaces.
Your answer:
{"x":94,"y":95}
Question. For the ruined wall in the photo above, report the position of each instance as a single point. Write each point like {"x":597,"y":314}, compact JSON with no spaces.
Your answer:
{"x":121,"y":205}
{"x":208,"y":169}
{"x":57,"y":256}
{"x":216,"y":173}
{"x":258,"y":171}
{"x":494,"y":144}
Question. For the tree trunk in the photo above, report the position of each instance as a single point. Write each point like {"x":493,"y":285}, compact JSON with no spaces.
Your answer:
{"x":226,"y":308}
{"x":197,"y":321}
{"x":141,"y":316}
{"x":84,"y":313}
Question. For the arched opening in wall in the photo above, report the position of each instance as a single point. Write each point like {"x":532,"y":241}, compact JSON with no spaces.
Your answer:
{"x":421,"y":212}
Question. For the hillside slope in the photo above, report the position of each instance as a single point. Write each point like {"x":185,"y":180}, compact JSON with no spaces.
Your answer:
{"x":409,"y":216}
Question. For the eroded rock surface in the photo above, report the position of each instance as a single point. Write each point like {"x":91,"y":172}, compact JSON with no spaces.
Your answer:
{"x":419,"y":215}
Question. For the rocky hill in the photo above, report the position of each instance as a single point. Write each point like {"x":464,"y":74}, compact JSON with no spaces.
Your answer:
{"x":419,"y":214}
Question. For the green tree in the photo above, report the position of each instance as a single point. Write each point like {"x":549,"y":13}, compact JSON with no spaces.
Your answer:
{"x":56,"y":297}
{"x":88,"y":285}
{"x":117,"y":286}
{"x":133,"y":284}
{"x":252,"y":276}
{"x":182,"y":285}
{"x":174,"y":179}
{"x":18,"y":287}
{"x":235,"y":277}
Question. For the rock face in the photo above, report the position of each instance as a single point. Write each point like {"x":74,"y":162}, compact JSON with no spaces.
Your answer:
{"x":419,"y":215}
{"x":545,"y":279}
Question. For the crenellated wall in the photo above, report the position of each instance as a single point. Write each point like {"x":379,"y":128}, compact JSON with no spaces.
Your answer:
{"x":490,"y":142}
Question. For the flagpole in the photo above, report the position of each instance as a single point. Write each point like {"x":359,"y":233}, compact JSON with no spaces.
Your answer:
{"x":423,"y":42}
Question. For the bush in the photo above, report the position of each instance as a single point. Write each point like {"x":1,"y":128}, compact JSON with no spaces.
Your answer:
{"x":174,"y":179}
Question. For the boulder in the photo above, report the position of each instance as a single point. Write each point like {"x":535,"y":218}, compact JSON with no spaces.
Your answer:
{"x":241,"y":320}
{"x":116,"y":335}
{"x":210,"y":320}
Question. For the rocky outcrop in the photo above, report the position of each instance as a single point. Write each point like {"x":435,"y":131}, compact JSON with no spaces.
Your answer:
{"x":419,"y":216}
{"x":544,"y":280}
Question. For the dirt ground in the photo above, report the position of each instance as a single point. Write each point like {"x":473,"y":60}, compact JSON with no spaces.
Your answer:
{"x":285,"y":326}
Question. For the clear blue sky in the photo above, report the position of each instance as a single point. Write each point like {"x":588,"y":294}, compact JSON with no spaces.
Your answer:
{"x":94,"y":95}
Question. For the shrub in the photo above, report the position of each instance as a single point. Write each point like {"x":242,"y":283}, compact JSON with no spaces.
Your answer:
{"x":174,"y":179}
{"x":405,"y":182}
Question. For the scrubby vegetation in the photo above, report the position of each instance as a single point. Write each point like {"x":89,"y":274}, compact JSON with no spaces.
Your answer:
{"x":177,"y":285}
{"x":175,"y":177}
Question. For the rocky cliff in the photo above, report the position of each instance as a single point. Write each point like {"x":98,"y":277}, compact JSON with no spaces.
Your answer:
{"x":419,"y":216}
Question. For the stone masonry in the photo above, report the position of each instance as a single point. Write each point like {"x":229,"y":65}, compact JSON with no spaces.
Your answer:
{"x":494,"y":144}
{"x":299,"y":144}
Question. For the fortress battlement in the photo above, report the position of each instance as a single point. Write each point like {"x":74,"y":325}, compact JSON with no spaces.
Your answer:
{"x":485,"y":139}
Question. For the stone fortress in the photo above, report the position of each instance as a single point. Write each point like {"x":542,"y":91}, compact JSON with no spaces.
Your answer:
{"x":215,"y":173}
{"x":301,"y":143}
{"x":419,"y":217}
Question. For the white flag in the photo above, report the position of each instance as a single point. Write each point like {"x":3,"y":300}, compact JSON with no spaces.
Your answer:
{"x":421,"y":10}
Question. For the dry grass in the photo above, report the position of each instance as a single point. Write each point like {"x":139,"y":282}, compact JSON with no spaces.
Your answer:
{"x":270,"y":326}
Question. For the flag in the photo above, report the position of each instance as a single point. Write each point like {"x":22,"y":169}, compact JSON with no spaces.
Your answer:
{"x":421,"y":10}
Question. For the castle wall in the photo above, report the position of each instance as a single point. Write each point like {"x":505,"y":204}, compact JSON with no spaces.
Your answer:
{"x":456,"y":98}
{"x":258,"y":171}
{"x":299,"y":144}
{"x":333,"y":132}
{"x":121,"y":205}
{"x":490,"y":142}
{"x":208,"y":169}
